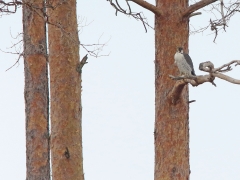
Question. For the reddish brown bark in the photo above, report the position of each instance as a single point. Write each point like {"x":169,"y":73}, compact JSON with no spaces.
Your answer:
{"x":171,"y":124}
{"x":36,"y":93}
{"x":66,"y":111}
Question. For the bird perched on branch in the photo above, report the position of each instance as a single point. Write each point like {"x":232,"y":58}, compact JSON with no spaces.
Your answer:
{"x":184,"y":63}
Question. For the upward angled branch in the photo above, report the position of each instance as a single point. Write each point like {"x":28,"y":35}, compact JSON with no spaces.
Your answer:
{"x":148,"y":6}
{"x":197,"y":6}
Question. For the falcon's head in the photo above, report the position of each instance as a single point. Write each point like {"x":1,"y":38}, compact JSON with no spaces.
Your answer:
{"x":180,"y":49}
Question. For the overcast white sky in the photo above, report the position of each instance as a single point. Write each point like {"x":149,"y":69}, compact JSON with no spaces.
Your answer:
{"x":118,"y":100}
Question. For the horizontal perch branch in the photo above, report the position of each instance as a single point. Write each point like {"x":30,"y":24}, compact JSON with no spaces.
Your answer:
{"x":208,"y":66}
{"x":213,"y":72}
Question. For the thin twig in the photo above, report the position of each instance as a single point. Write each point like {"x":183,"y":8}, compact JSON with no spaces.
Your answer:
{"x":222,"y":13}
{"x":20,"y":55}
{"x":137,"y":16}
{"x":220,"y":23}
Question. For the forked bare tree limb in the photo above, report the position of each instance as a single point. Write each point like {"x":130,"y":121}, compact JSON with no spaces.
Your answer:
{"x":228,"y":65}
{"x":17,"y":61}
{"x":208,"y":66}
{"x":137,"y":16}
{"x":226,"y":11}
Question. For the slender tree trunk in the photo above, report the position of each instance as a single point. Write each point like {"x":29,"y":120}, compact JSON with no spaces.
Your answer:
{"x":36,"y":93}
{"x":66,"y":111}
{"x":171,"y":125}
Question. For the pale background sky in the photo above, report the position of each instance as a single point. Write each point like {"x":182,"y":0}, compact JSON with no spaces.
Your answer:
{"x":118,"y":100}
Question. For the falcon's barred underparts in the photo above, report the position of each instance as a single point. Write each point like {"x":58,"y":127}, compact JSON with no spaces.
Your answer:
{"x":184,"y":63}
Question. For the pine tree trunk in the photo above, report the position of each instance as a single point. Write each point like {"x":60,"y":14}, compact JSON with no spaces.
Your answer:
{"x":171,"y":124}
{"x":66,"y":110}
{"x":36,"y":93}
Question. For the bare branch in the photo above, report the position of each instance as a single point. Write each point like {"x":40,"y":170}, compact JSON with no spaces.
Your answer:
{"x":197,"y":6}
{"x":17,"y":61}
{"x":148,"y":6}
{"x":222,"y":13}
{"x":81,"y":64}
{"x":18,"y":51}
{"x":182,"y":77}
{"x":195,"y":14}
{"x":228,"y":65}
{"x":214,"y":28}
{"x":191,"y":101}
{"x":226,"y":78}
{"x":137,"y":16}
{"x":175,"y":93}
{"x":9,"y":7}
{"x":82,"y":22}
{"x":230,"y":11}
{"x":195,"y":82}
{"x":95,"y":49}
{"x":208,"y":66}
{"x":217,"y":72}
{"x":220,"y":23}
{"x":213,"y":72}
{"x":129,"y":7}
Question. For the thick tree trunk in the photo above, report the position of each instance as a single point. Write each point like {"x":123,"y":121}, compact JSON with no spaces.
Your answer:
{"x":36,"y":93}
{"x":171,"y":124}
{"x":66,"y":110}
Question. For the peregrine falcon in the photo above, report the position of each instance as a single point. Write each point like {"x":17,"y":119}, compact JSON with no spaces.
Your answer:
{"x":184,"y":63}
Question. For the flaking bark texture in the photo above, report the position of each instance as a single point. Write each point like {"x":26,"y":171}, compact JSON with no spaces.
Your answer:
{"x":36,"y":93}
{"x":171,"y":124}
{"x":65,"y":88}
